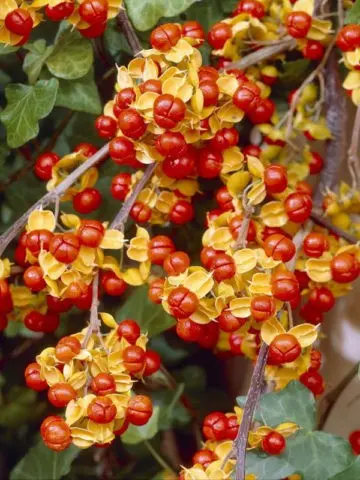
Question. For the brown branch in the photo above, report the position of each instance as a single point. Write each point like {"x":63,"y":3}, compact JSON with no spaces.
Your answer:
{"x":353,"y":154}
{"x":320,"y":220}
{"x":95,"y":323}
{"x":51,"y":196}
{"x":125,"y":25}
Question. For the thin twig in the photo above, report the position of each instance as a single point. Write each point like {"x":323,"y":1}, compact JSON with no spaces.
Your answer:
{"x":94,"y":323}
{"x":320,"y":220}
{"x":290,"y":315}
{"x":129,"y":32}
{"x":353,"y":154}
{"x":51,"y":196}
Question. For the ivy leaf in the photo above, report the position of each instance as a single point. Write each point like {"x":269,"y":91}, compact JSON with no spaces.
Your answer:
{"x":41,"y":463}
{"x":151,"y":317}
{"x":267,"y":467}
{"x":35,"y":59}
{"x":353,"y":14}
{"x":295,"y":403}
{"x":6,"y":49}
{"x":114,"y":41}
{"x":81,"y":95}
{"x":144,"y":14}
{"x":173,"y":413}
{"x":134,"y":434}
{"x":350,"y":473}
{"x":318,"y":455}
{"x":72,"y":56}
{"x":26,"y":105}
{"x":206,"y":13}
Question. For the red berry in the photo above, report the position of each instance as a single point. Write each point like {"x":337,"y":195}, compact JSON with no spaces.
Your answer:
{"x":34,"y":278}
{"x":134,"y":358}
{"x":61,"y":11}
{"x":160,"y":247}
{"x":93,"y":31}
{"x":210,"y":335}
{"x":313,"y":381}
{"x":101,"y":410}
{"x":176,"y":263}
{"x":94,"y":11}
{"x":354,"y":439}
{"x":123,"y":100}
{"x":279,"y":247}
{"x":182,"y":302}
{"x":223,"y":267}
{"x":204,"y":458}
{"x":131,"y":123}
{"x":224,"y":199}
{"x":214,"y":426}
{"x":106,"y":126}
{"x":140,"y":212}
{"x":122,"y":151}
{"x":91,"y":233}
{"x":168,"y":111}
{"x":154,"y":86}
{"x":55,"y":433}
{"x":298,"y":207}
{"x":103,"y":384}
{"x":112,"y":284}
{"x":316,"y":163}
{"x":165,"y":36}
{"x":235,"y":226}
{"x":315,"y":244}
{"x":232,"y":428}
{"x":246,"y":96}
{"x":219,"y":33}
{"x":321,"y":299}
{"x":252,"y":150}
{"x":210,"y":92}
{"x":44,"y":164}
{"x":61,"y":394}
{"x":262,"y":307}
{"x":129,"y":330}
{"x":315,"y":357}
{"x":193,"y":29}
{"x":87,"y":149}
{"x":284,"y":348}
{"x":344,"y":268}
{"x":37,"y":240}
{"x":120,"y":186}
{"x":275,"y":178}
{"x":171,"y":144}
{"x":139,"y":410}
{"x":188,"y":330}
{"x":251,"y":7}
{"x":285,"y":286}
{"x":311,"y":315}
{"x":208,"y":73}
{"x":348,"y":38}
{"x":87,"y":200}
{"x":67,"y":348}
{"x":152,"y":362}
{"x":33,"y":379}
{"x":181,"y":212}
{"x":180,"y":167}
{"x":274,"y":443}
{"x":235,"y":342}
{"x":313,"y":50}
{"x":304,"y":187}
{"x":38,"y":322}
{"x":210,"y":163}
{"x":228,"y":322}
{"x":19,"y":22}
{"x":156,"y":290}
{"x":261,"y":111}
{"x":298,"y":24}
{"x":225,"y":138}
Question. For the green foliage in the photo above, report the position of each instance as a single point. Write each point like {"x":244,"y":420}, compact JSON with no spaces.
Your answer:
{"x":134,"y":434}
{"x":173,"y":413}
{"x":350,"y":473}
{"x":27,"y":104}
{"x":151,"y":317}
{"x":35,"y":59}
{"x":294,"y":72}
{"x":41,"y":463}
{"x":353,"y":14}
{"x":268,"y":467}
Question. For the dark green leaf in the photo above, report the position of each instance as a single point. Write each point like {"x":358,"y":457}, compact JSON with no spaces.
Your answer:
{"x":353,"y":14}
{"x":72,"y":56}
{"x":41,"y":463}
{"x":317,"y":455}
{"x":173,"y":413}
{"x":35,"y":59}
{"x":193,"y":376}
{"x":134,"y":434}
{"x":151,"y":317}
{"x":350,"y":473}
{"x":6,"y":49}
{"x":26,"y":105}
{"x":115,"y":41}
{"x":295,"y":403}
{"x":267,"y":467}
{"x":207,"y":13}
{"x":294,"y":72}
{"x":169,"y":354}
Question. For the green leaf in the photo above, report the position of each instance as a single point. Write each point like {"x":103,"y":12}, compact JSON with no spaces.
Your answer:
{"x":206,"y":13}
{"x":41,"y":463}
{"x":294,"y":72}
{"x":267,"y":467}
{"x":317,"y":455}
{"x":35,"y":59}
{"x":173,"y":413}
{"x":26,"y":105}
{"x":145,"y":14}
{"x":295,"y":403}
{"x":350,"y":473}
{"x":134,"y":434}
{"x":151,"y":317}
{"x":353,"y":14}
{"x":6,"y":49}
{"x":115,"y":42}
{"x":72,"y":56}
{"x":81,"y":95}
{"x":169,"y":354}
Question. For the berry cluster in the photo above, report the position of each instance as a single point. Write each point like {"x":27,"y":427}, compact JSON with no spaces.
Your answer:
{"x":348,"y":41}
{"x":93,"y":378}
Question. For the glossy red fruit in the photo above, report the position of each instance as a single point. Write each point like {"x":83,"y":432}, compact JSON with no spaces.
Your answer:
{"x":224,"y":199}
{"x":235,"y":342}
{"x":188,"y":330}
{"x":261,"y":111}
{"x":152,"y":363}
{"x":91,"y":233}
{"x":67,"y":348}
{"x":253,"y":150}
{"x":84,"y":297}
{"x":168,"y":111}
{"x":228,"y":322}
{"x":44,"y":164}
{"x":103,"y":384}
{"x":94,"y":11}
{"x":210,"y":92}
{"x":210,"y":163}
{"x":219,"y":33}
{"x":298,"y":207}
{"x":171,"y":144}
{"x":285,"y":285}
{"x":262,"y":307}
{"x":87,"y":149}
{"x":275,"y":178}
{"x":311,"y":315}
{"x":313,"y":50}
{"x":34,"y":278}
{"x":251,"y":7}
{"x":38,"y":322}
{"x":122,"y":151}
{"x":304,"y":187}
{"x":182,"y":302}
{"x":176,"y":263}
{"x":223,"y":267}
{"x":214,"y":426}
{"x":140,"y":212}
{"x":120,"y":186}
{"x":315,"y":244}
{"x":134,"y":358}
{"x":348,"y":38}
{"x":37,"y":240}
{"x":93,"y":31}
{"x":210,"y":335}
{"x":354,"y":439}
{"x":321,"y":299}
{"x":139,"y":410}
{"x":87,"y":200}
{"x":298,"y":24}
{"x":181,"y":212}
{"x":129,"y":330}
{"x":154,"y":86}
{"x":123,"y":100}
{"x":33,"y":378}
{"x":274,"y":443}
{"x":225,"y":138}
{"x":193,"y":29}
{"x":313,"y":381}
{"x":212,"y":215}
{"x":284,"y":348}
{"x":76,"y":289}
{"x":106,"y":126}
{"x":131,"y":123}
{"x":19,"y":21}
{"x":165,"y":36}
{"x":232,"y":428}
{"x":315,"y":358}
{"x":112,"y":284}
{"x":159,"y":248}
{"x":101,"y":410}
{"x":316,"y":163}
{"x":60,"y":12}
{"x":55,"y":433}
{"x":344,"y":268}
{"x":180,"y":167}
{"x":156,"y":290}
{"x":61,"y":394}
{"x":246,"y":96}
{"x":235,"y":226}
{"x":279,"y":247}
{"x":206,"y":72}
{"x":204,"y":457}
